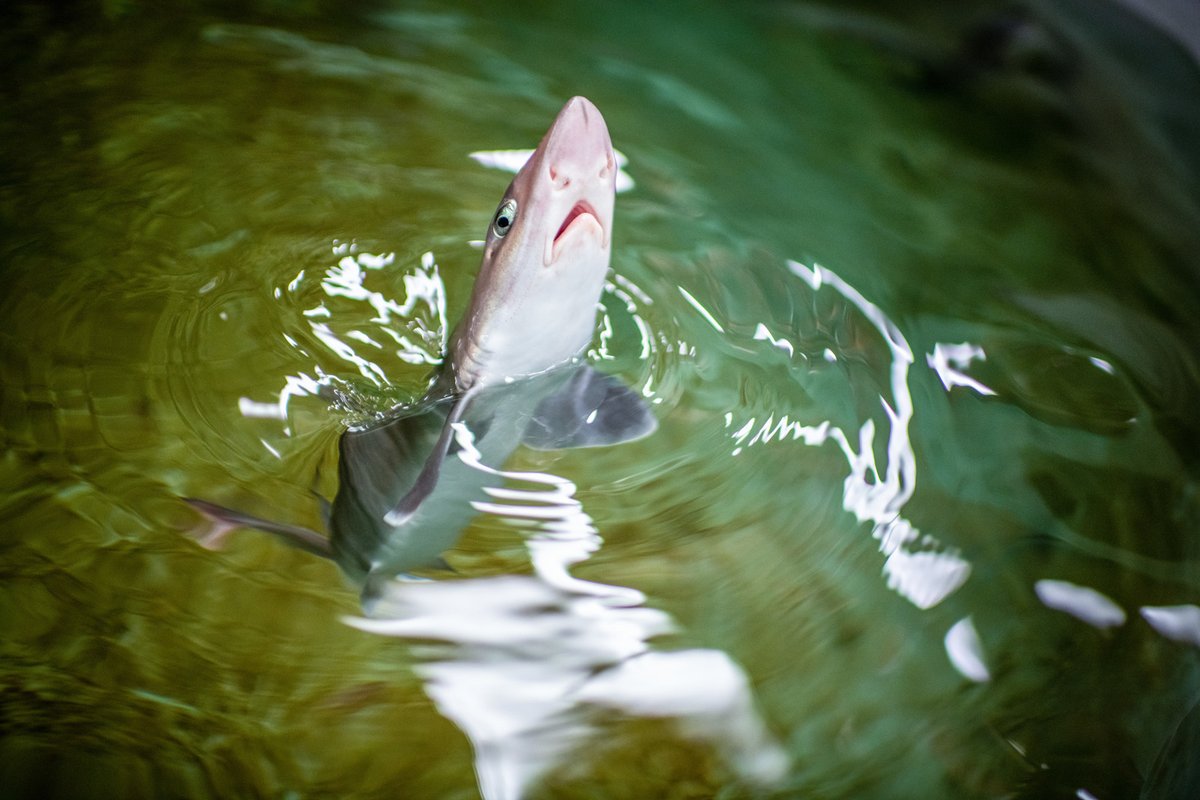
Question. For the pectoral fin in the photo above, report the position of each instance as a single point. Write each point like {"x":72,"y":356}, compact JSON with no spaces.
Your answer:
{"x":591,"y":410}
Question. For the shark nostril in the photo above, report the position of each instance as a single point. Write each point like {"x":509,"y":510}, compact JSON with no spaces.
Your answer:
{"x":559,"y":182}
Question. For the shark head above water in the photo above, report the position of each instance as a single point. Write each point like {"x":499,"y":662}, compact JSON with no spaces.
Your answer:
{"x":545,"y":258}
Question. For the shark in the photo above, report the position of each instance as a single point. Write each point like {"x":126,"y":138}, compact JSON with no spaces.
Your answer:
{"x":513,"y":374}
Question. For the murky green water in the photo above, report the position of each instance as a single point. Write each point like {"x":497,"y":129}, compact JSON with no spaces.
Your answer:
{"x":934,"y":500}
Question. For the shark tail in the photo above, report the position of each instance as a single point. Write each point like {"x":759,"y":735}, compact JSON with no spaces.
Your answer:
{"x":222,"y":520}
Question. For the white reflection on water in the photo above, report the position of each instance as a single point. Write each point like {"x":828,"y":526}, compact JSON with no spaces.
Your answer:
{"x":423,"y":286}
{"x":630,"y":294}
{"x":918,"y":567}
{"x":416,"y":327}
{"x":762,"y":333}
{"x":1081,"y":602}
{"x":1180,"y":623}
{"x":966,"y":651}
{"x":949,"y":361}
{"x":565,"y":534}
{"x":530,"y":666}
{"x":704,"y":312}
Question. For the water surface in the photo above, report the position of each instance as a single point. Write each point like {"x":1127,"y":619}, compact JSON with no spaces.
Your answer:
{"x":914,"y":296}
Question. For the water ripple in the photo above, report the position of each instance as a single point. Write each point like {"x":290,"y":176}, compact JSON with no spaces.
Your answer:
{"x":917,"y":566}
{"x":528,"y":665}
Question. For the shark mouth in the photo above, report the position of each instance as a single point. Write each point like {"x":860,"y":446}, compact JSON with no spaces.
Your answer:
{"x":580,"y":209}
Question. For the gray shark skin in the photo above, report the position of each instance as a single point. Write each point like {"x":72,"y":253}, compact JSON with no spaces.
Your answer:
{"x":511,"y":375}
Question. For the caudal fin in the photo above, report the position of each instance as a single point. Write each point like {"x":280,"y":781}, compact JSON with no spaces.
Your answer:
{"x":222,"y":520}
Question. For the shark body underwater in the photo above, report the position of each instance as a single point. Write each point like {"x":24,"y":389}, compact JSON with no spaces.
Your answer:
{"x":512,"y":373}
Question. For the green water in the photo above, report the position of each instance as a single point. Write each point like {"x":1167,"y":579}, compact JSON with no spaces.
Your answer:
{"x":179,"y":188}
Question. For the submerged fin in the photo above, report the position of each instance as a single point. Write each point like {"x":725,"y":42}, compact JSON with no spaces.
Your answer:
{"x":226,"y":519}
{"x":324,"y":505}
{"x":591,"y":410}
{"x":430,"y":472}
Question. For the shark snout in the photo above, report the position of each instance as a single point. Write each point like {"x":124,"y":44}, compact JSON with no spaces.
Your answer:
{"x":581,"y":107}
{"x":579,"y":174}
{"x":578,"y":147}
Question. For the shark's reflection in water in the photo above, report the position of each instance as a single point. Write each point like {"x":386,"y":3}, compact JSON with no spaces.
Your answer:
{"x":529,"y":667}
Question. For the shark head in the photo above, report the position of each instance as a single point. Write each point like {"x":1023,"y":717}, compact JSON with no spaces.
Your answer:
{"x":545,"y":259}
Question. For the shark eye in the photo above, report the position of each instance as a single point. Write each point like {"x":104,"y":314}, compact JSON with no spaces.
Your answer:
{"x":506,"y":216}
